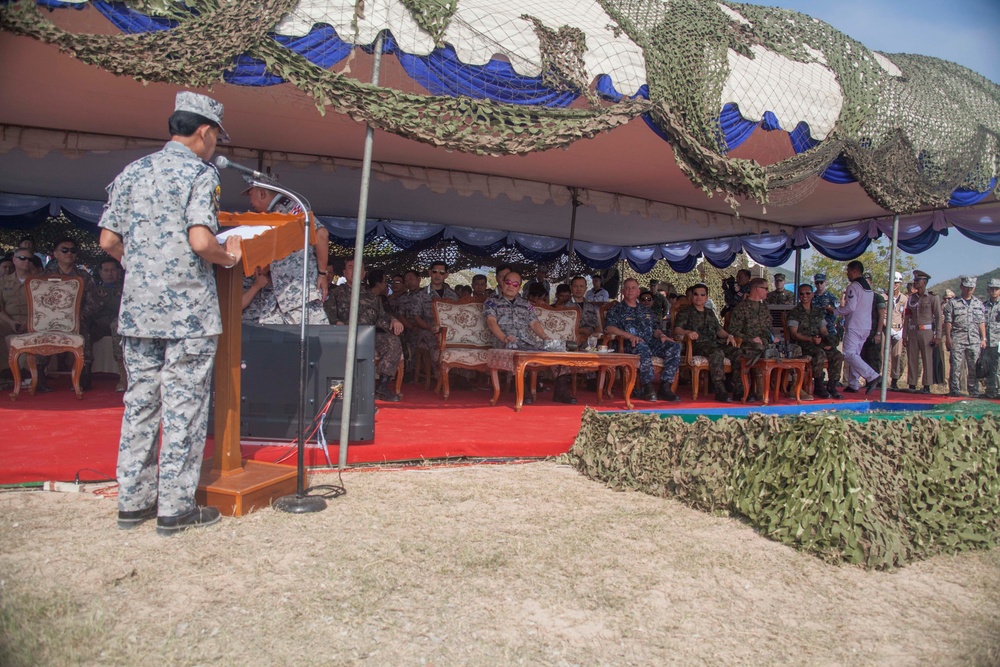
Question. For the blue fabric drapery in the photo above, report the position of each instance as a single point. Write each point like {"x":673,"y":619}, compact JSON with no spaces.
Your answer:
{"x":917,"y":233}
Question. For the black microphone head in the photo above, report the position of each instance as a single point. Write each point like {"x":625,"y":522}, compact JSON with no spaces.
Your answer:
{"x":221,"y":162}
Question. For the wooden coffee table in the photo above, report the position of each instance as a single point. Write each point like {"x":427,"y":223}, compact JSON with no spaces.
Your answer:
{"x":767,"y":368}
{"x":584,"y":361}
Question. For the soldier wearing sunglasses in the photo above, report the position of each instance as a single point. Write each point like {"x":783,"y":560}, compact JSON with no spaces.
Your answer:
{"x":65,"y":262}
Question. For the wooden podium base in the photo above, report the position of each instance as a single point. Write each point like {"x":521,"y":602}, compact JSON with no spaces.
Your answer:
{"x":243,"y":492}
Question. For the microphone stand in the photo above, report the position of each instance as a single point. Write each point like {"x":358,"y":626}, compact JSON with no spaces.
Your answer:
{"x":299,"y":503}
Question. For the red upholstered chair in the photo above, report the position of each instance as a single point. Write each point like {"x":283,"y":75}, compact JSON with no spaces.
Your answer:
{"x":53,"y":327}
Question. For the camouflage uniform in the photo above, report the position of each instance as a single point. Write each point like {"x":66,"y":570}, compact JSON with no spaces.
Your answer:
{"x":706,"y":324}
{"x":514,"y":318}
{"x":639,"y":321}
{"x":872,"y":350}
{"x":751,"y":319}
{"x":423,"y":305}
{"x":286,"y":281}
{"x":812,"y":322}
{"x":170,"y":322}
{"x":406,"y":309}
{"x":780,"y":297}
{"x":590,"y":317}
{"x":991,"y":312}
{"x":13,"y":302}
{"x":388,"y":349}
{"x":107,"y":301}
{"x":823,"y":300}
{"x":262,"y":304}
{"x":965,"y":318}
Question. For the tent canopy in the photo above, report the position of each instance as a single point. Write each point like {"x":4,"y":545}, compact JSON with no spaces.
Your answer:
{"x":67,"y":140}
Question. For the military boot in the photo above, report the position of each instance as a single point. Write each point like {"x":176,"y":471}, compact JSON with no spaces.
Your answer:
{"x":86,"y":378}
{"x":831,"y":389}
{"x":562,"y":393}
{"x":384,"y":390}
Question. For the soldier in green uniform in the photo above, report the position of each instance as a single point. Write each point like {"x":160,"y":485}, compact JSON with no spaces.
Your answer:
{"x":160,"y":222}
{"x":708,"y":339}
{"x":779,"y":296}
{"x":388,"y":349}
{"x":807,"y":328}
{"x":104,"y":319}
{"x":751,"y":322}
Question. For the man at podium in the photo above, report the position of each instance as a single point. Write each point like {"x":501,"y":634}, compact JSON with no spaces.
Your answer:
{"x":286,"y":273}
{"x":160,"y":223}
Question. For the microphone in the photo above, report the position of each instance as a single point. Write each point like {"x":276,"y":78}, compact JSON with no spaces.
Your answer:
{"x":224,"y":163}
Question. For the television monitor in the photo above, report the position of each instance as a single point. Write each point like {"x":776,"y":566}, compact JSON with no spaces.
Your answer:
{"x":269,"y":381}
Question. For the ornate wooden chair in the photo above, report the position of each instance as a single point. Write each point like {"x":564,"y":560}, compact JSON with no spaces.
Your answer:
{"x":53,"y":328}
{"x":463,"y":339}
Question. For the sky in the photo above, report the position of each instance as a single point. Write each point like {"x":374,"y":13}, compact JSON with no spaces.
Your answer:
{"x":964,"y":31}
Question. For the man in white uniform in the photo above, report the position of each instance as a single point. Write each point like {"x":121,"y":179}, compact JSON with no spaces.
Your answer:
{"x":856,"y":308}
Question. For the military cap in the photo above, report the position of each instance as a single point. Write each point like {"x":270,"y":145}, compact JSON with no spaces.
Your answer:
{"x":899,"y":277}
{"x":948,"y":294}
{"x":779,"y":276}
{"x":969,"y":281}
{"x":920,"y":275}
{"x":204,"y":106}
{"x":994,"y":282}
{"x":270,"y":179}
{"x":819,"y":278}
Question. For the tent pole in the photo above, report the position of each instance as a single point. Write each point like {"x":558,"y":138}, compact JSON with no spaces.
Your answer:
{"x":798,"y":270}
{"x":889,"y":308}
{"x":572,"y":222}
{"x":359,"y":253}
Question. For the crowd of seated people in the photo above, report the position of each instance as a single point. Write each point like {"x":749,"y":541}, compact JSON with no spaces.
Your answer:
{"x":101,"y":299}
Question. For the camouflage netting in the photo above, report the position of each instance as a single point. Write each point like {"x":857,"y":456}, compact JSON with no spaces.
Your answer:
{"x":910,"y":140}
{"x":879,"y":494}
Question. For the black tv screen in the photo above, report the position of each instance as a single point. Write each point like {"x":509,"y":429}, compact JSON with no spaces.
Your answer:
{"x":269,"y":381}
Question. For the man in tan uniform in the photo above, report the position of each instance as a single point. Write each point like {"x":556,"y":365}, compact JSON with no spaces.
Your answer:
{"x":922,"y":327}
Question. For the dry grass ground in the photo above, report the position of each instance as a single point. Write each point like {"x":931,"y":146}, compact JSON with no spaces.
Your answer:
{"x":483,"y":565}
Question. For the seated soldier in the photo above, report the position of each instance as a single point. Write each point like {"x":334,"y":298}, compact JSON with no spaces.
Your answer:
{"x":480,"y":289}
{"x":388,"y":349}
{"x":590,"y":318}
{"x":807,"y":328}
{"x":563,"y":295}
{"x":424,"y":334}
{"x":750,"y":321}
{"x":64,"y":263}
{"x":537,"y":295}
{"x":514,"y":324}
{"x":708,"y":339}
{"x":104,"y":319}
{"x":633,"y":323}
{"x":463,"y":291}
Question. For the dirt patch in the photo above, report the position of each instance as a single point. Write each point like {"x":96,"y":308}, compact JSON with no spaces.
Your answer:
{"x":485,"y":565}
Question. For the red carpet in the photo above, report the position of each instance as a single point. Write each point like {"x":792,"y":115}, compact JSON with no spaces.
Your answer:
{"x":57,"y":437}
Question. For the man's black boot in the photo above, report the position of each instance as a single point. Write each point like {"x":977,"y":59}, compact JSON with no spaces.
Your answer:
{"x":562,"y":392}
{"x":86,"y":378}
{"x":384,"y":390}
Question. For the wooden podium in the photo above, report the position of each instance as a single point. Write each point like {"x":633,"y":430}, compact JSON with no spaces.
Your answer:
{"x":234,"y":485}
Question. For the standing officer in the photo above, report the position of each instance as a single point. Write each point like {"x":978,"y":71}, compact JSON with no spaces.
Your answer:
{"x":856,"y":307}
{"x":991,"y":312}
{"x":896,"y":356}
{"x":922,"y":326}
{"x":162,"y":216}
{"x":827,"y":302}
{"x":286,"y":273}
{"x":965,"y":337}
{"x":779,"y":296}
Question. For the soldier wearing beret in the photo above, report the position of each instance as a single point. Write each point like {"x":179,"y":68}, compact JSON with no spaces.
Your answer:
{"x":964,"y":337}
{"x":922,"y":328}
{"x":160,"y":222}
